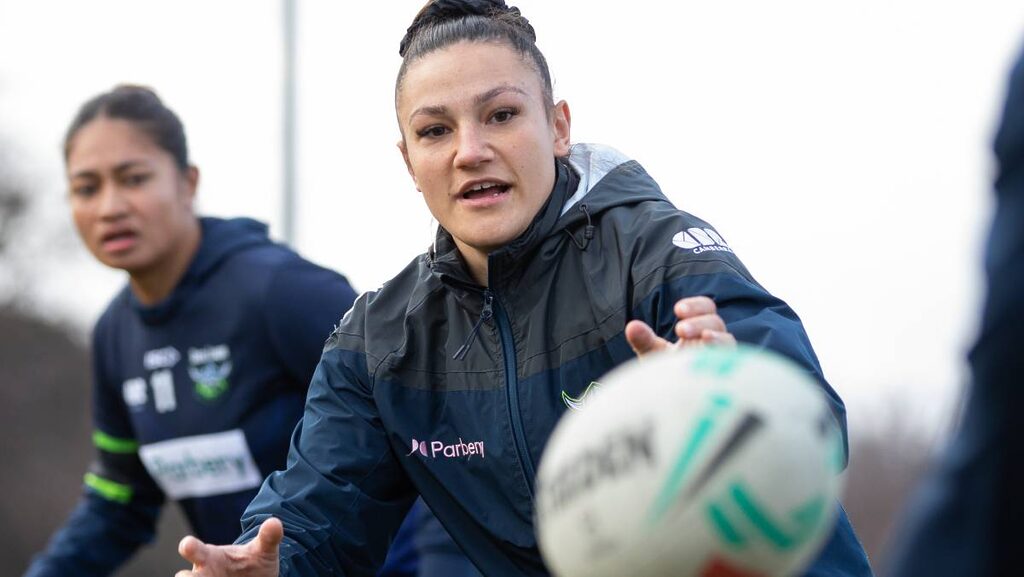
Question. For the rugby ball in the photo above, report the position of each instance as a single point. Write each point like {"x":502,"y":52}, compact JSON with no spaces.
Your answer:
{"x":705,"y":462}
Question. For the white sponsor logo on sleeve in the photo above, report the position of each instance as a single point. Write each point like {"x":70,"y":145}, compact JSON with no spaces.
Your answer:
{"x":700,"y":240}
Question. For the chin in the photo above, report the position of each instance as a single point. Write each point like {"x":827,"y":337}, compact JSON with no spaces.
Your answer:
{"x":127,"y":263}
{"x":492,"y":238}
{"x":489,"y":244}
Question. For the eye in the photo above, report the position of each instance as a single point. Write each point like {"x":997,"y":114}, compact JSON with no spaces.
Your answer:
{"x":83,"y":190}
{"x":503,"y":115}
{"x":433,"y":131}
{"x":135,"y":179}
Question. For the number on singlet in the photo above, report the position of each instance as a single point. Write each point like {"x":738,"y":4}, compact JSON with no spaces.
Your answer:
{"x":163,"y":391}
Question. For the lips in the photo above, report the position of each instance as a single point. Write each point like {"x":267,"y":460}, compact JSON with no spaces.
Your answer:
{"x":118,"y":240}
{"x":483,"y":192}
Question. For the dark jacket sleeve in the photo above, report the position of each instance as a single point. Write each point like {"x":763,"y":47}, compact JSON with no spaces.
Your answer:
{"x":665,"y":273}
{"x":340,"y":506}
{"x":119,"y":509}
{"x":965,"y":518}
{"x":304,"y":302}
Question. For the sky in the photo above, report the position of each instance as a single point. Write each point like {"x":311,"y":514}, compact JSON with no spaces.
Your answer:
{"x":842,"y":149}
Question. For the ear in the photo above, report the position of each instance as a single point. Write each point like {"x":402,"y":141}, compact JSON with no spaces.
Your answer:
{"x":191,"y":182}
{"x":561,"y":120}
{"x":408,"y":166}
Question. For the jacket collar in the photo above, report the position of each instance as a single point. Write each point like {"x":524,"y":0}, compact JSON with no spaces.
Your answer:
{"x":447,"y":264}
{"x":592,"y":179}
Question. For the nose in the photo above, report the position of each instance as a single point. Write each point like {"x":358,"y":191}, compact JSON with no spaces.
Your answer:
{"x":112,"y":203}
{"x":473,"y":147}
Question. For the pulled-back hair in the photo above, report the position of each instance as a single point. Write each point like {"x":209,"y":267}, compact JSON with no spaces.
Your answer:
{"x":140,"y":106}
{"x":442,"y":23}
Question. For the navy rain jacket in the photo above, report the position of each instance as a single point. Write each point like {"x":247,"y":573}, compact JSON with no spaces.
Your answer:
{"x":452,"y":389}
{"x":194,"y":397}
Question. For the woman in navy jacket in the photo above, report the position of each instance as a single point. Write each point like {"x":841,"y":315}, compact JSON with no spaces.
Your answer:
{"x":552,"y":264}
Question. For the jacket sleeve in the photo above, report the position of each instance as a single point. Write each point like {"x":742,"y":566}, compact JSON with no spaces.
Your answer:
{"x":668,"y":272}
{"x":121,"y":503}
{"x":664,"y":272}
{"x":303,"y":304}
{"x":343,"y":495}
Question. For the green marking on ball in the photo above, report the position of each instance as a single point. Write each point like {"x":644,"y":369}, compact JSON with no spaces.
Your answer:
{"x":697,"y":440}
{"x":760,"y":518}
{"x":805,"y":517}
{"x":808,"y":517}
{"x":720,"y":361}
{"x":837,"y":456}
{"x":726,"y":530}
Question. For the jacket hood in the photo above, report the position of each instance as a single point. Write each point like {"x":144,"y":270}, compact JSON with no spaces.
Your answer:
{"x":592,"y":179}
{"x":220,"y":239}
{"x":607,"y":178}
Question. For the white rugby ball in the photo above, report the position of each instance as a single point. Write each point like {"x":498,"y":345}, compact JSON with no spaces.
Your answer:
{"x":707,"y":462}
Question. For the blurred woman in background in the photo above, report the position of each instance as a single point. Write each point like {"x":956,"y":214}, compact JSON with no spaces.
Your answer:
{"x":201,"y":363}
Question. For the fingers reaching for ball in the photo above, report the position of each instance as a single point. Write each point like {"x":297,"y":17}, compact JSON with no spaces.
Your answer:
{"x":698,"y":324}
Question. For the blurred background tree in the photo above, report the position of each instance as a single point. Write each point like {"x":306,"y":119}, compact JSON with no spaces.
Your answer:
{"x":886,"y":463}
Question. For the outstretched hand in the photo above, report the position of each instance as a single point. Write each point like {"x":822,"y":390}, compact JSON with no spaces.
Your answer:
{"x":699,"y":324}
{"x":257,"y":558}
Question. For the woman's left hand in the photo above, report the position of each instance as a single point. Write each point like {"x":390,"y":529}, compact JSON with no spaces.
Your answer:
{"x":699,"y":324}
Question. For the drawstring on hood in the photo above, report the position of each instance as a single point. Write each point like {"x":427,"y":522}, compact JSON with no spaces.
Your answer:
{"x":485,"y":314}
{"x":588,"y":231}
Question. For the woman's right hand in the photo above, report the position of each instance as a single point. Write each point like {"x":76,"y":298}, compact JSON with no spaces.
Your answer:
{"x":257,"y":558}
{"x":699,"y":324}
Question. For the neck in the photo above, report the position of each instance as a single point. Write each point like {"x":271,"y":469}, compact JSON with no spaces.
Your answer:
{"x":156,"y":283}
{"x":476,"y":262}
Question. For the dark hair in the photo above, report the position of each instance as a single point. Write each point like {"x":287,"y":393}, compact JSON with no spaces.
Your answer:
{"x":141,"y":106}
{"x":441,"y":23}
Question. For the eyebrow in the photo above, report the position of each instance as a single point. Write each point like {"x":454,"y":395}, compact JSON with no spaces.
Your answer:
{"x":497,"y":90}
{"x":482,"y":98}
{"x":89,"y":172}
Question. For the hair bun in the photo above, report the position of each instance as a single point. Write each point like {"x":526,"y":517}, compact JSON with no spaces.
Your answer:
{"x":436,"y":12}
{"x":139,"y":92}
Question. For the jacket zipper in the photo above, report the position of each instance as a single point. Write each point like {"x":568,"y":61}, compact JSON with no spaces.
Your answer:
{"x":485,"y":314}
{"x":512,"y":391}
